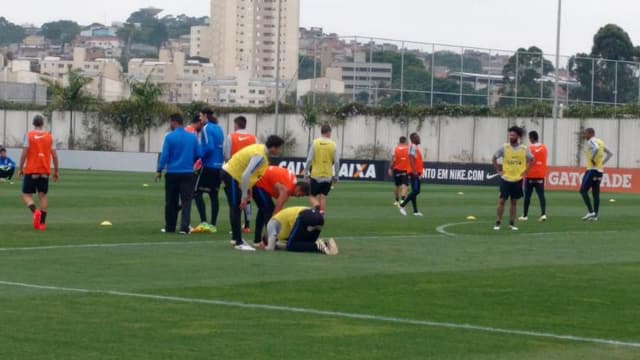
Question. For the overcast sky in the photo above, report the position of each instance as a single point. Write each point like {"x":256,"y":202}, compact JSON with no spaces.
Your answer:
{"x":498,"y":24}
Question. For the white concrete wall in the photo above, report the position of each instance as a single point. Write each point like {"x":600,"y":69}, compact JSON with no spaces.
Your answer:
{"x":445,"y":139}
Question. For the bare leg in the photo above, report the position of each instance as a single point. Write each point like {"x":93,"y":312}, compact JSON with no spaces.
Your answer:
{"x":514,"y":210}
{"x":500,"y":211}
{"x":27,"y":199}
{"x":405,"y":191}
{"x":396,"y":193}
{"x":323,"y":202}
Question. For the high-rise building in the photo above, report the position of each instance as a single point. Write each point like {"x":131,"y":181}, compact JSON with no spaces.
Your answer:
{"x":244,"y":36}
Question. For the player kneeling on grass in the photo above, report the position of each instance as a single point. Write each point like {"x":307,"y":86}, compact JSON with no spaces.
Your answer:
{"x":298,"y":229}
{"x":516,"y":162}
{"x":279,"y":184}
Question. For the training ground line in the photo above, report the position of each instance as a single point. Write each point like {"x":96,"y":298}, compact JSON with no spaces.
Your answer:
{"x":334,"y":314}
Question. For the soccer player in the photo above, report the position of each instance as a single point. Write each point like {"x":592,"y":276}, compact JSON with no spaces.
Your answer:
{"x":179,"y":152}
{"x":300,"y":228}
{"x":536,"y":177}
{"x":209,"y":178}
{"x":322,"y":167}
{"x":7,"y":166}
{"x":280,"y":184}
{"x":35,"y":167}
{"x":416,"y":168}
{"x":399,"y":168}
{"x":236,"y":141}
{"x":597,"y":157}
{"x":516,"y":161}
{"x":240,"y":174}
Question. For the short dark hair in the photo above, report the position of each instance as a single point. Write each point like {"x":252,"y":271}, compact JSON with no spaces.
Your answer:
{"x":196,"y":119}
{"x":2,"y":150}
{"x":591,"y":131}
{"x":177,"y":118}
{"x":207,"y":111}
{"x":274,"y":141}
{"x":241,"y":121}
{"x":413,"y":135}
{"x":403,"y":139}
{"x":325,"y":129}
{"x":304,"y":188}
{"x":38,"y":121}
{"x":210,"y":116}
{"x":533,"y":135}
{"x":518,"y":130}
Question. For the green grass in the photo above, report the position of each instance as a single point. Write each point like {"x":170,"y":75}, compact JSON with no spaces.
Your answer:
{"x":562,"y":277}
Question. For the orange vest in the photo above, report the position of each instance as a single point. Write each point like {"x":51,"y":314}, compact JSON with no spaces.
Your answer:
{"x":539,"y":168}
{"x":190,"y":129}
{"x":39,"y":153}
{"x":401,"y":158}
{"x":240,"y":141}
{"x":419,"y":162}
{"x":277,"y":175}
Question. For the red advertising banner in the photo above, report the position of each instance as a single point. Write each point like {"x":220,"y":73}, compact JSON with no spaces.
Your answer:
{"x":614,"y":181}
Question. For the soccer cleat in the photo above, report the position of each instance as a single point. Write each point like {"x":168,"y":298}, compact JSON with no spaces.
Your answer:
{"x":418,"y":214}
{"x":164,"y":231}
{"x":213,"y":229}
{"x":594,"y":218}
{"x":37,"y":215}
{"x":332,"y":247}
{"x":543,"y":218}
{"x":244,"y":247}
{"x":42,"y":227}
{"x":513,"y":228}
{"x":496,"y":228}
{"x":322,"y":247}
{"x":589,"y":216}
{"x":246,"y":230}
{"x":523,"y":218}
{"x":396,"y":203}
{"x":403,"y":211}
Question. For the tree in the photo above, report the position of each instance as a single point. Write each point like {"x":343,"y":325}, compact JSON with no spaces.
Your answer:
{"x":72,"y":98}
{"x":60,"y":32}
{"x":309,"y":117}
{"x":525,"y":70}
{"x":149,"y":111}
{"x":10,"y":33}
{"x":181,"y":25}
{"x":452,"y":61}
{"x":610,"y":43}
{"x":143,"y":26}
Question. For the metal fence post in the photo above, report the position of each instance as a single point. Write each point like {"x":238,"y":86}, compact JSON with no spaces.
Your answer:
{"x":489,"y":82}
{"x":433,"y":70}
{"x":517,"y":73}
{"x":355,"y":67}
{"x":402,"y":75}
{"x":461,"y":74}
{"x":615,"y":91}
{"x":541,"y":77}
{"x":370,"y":70}
{"x":593,"y":81}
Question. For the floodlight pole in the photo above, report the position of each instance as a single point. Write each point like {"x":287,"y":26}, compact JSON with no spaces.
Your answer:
{"x":556,"y":88}
{"x":278,"y":62}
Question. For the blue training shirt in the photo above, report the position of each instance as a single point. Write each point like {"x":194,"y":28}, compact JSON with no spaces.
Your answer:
{"x":179,"y":152}
{"x":7,"y":162}
{"x":212,"y":144}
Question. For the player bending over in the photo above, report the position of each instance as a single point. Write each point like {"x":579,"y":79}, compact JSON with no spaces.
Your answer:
{"x":279,"y":184}
{"x":597,"y":157}
{"x":35,"y":167}
{"x":516,"y":161}
{"x":536,"y":177}
{"x":399,"y":170}
{"x":298,"y":228}
{"x":240,"y":174}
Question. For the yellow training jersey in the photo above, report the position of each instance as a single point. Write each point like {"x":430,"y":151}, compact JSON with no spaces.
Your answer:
{"x":239,"y":162}
{"x":287,"y":219}
{"x":595,"y":146}
{"x":514,"y":162}
{"x":324,"y":155}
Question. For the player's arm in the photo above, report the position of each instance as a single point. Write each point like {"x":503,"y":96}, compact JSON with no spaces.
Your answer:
{"x":283,"y":197}
{"x":393,"y":161}
{"x":307,"y":166}
{"x":530,"y":161}
{"x":499,"y":154}
{"x":254,"y":164}
{"x":336,"y":166}
{"x":56,"y":165}
{"x":412,"y":162}
{"x":226,"y":148}
{"x":162,"y":162}
{"x":273,"y":229}
{"x":607,"y":155}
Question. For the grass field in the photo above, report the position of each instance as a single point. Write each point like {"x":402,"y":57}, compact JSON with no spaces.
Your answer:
{"x":399,"y":289}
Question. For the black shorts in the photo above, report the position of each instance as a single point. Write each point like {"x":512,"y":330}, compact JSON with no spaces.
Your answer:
{"x":34,"y":183}
{"x":591,"y":179}
{"x":401,"y":177}
{"x":307,"y":228}
{"x":320,"y":188}
{"x":511,"y":190}
{"x":209,"y":180}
